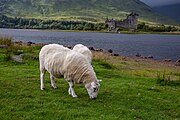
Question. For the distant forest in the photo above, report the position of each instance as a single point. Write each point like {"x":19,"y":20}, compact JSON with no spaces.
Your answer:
{"x":31,"y":23}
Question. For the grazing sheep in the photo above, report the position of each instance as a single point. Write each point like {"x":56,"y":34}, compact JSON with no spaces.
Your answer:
{"x":83,"y":50}
{"x":60,"y":61}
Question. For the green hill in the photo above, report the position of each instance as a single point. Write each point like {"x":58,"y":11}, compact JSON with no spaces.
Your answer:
{"x":87,"y":10}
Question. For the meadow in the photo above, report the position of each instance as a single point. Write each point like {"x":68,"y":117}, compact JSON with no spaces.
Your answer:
{"x":131,"y":89}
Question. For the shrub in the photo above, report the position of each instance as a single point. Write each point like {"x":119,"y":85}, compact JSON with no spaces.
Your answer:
{"x":165,"y":80}
{"x":6,"y":41}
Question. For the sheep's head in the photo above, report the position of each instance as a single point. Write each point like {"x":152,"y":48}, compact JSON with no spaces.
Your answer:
{"x":93,"y":89}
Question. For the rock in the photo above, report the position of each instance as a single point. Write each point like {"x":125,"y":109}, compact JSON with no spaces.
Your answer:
{"x":110,"y":51}
{"x":167,"y":60}
{"x":18,"y":42}
{"x":92,"y":48}
{"x":150,"y":56}
{"x":17,"y":59}
{"x":115,"y":54}
{"x":68,"y":46}
{"x":177,"y":63}
{"x":138,"y":55}
{"x":3,"y":46}
{"x":30,"y":43}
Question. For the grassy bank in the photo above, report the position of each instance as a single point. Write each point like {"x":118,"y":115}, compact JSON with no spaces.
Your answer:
{"x":131,"y":89}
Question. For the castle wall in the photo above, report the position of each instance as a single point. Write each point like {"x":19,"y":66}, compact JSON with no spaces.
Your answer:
{"x":130,"y":22}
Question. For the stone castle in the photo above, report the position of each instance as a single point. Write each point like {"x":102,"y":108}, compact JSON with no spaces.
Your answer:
{"x":131,"y":22}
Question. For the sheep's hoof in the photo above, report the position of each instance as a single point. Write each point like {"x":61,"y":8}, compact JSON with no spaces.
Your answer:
{"x":42,"y":88}
{"x":54,"y":87}
{"x":74,"y":96}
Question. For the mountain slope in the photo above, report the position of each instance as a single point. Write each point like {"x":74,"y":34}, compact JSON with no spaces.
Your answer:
{"x":89,"y":10}
{"x":170,"y":11}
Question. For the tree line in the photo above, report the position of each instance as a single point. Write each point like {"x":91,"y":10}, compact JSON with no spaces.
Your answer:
{"x":31,"y":23}
{"x":161,"y":28}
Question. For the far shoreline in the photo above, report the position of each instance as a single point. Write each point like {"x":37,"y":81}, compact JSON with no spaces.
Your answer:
{"x":102,"y":31}
{"x":121,"y":32}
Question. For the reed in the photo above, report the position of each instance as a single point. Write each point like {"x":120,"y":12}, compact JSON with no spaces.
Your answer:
{"x":7,"y":41}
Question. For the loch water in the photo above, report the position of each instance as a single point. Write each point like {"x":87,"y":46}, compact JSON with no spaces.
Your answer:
{"x":157,"y":45}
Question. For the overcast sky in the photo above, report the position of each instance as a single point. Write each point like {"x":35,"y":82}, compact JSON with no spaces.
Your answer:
{"x":160,"y":2}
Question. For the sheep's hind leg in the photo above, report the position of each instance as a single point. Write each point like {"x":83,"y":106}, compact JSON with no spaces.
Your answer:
{"x":42,"y":72}
{"x":71,"y":89}
{"x":53,"y":84}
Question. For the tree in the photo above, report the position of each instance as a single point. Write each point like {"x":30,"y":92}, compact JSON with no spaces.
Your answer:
{"x":89,"y":26}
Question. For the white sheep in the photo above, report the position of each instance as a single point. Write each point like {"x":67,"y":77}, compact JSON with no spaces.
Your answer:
{"x":83,"y":50}
{"x":60,"y":61}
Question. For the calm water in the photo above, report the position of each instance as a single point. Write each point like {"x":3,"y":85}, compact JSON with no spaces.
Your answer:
{"x":159,"y":46}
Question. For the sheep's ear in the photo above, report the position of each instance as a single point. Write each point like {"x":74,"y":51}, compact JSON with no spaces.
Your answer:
{"x":99,"y":81}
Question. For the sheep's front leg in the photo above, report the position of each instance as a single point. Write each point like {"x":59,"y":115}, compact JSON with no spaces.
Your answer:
{"x":53,"y":84}
{"x":71,"y":89}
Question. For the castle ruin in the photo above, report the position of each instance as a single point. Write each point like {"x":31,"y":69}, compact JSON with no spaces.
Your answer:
{"x":131,"y":22}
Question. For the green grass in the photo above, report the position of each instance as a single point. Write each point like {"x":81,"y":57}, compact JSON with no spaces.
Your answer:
{"x":122,"y":95}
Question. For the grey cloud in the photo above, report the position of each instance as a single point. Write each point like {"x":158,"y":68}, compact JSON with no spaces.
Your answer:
{"x":160,"y":2}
